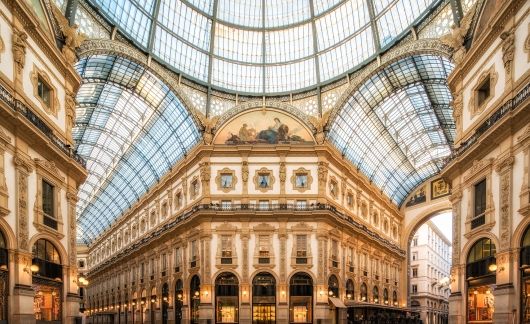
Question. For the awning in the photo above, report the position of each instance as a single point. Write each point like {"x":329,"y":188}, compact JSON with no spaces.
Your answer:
{"x":337,"y":302}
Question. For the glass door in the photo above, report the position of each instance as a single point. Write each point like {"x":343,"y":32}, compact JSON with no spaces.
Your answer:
{"x":264,"y":314}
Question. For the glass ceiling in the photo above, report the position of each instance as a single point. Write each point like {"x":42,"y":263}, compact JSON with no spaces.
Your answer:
{"x":397,"y":128}
{"x":263,"y":46}
{"x":131,"y":129}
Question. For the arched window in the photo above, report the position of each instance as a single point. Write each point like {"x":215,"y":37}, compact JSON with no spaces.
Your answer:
{"x":195,"y":299}
{"x":481,"y":277}
{"x":47,"y":259}
{"x":301,"y":298}
{"x":264,"y":298}
{"x":226,"y":298}
{"x":481,"y":259}
{"x":385,"y":296}
{"x":375,"y":295}
{"x":350,"y":289}
{"x":394,"y":298}
{"x":364,"y":292}
{"x":333,"y":286}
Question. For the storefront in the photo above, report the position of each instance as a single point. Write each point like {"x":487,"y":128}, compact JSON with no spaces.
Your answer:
{"x":165,"y":303}
{"x":47,"y":282}
{"x":178,"y":301}
{"x":481,"y":278}
{"x":226,"y":298}
{"x":301,"y":299}
{"x":264,"y":299}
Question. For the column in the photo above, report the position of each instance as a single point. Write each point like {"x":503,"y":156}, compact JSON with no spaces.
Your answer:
{"x":457,"y":300}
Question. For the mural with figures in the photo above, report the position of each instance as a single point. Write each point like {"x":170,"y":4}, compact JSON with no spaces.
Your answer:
{"x":263,"y":127}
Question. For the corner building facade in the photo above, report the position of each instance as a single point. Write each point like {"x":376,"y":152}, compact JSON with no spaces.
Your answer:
{"x":39,"y":173}
{"x":251,"y":233}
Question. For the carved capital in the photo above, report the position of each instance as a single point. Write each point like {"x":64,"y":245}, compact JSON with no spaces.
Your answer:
{"x":504,"y":163}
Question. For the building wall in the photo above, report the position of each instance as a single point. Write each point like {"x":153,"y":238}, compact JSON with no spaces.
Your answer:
{"x":368,"y":249}
{"x":34,"y":146}
{"x":494,"y":148}
{"x":430,"y":257}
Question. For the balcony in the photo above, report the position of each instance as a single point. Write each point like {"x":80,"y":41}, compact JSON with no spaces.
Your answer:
{"x":49,"y":221}
{"x":21,"y":108}
{"x":264,"y":260}
{"x":301,"y":260}
{"x":478,"y":221}
{"x":226,"y":260}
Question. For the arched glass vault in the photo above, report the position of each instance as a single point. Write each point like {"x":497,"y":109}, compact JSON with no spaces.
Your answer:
{"x":131,"y":129}
{"x":264,"y":46}
{"x":397,"y":127}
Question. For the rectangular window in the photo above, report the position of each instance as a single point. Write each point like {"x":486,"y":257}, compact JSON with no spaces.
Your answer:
{"x":334,"y":250}
{"x":193,"y":250}
{"x":480,"y":198}
{"x":414,"y":256}
{"x":414,"y":289}
{"x":263,"y":241}
{"x":415,"y":242}
{"x":142,"y":270}
{"x":164,"y":262}
{"x":301,"y":245}
{"x":48,"y":199}
{"x":483,"y":91}
{"x":164,"y":210}
{"x":44,"y":91}
{"x":415,"y":273}
{"x":226,"y":246}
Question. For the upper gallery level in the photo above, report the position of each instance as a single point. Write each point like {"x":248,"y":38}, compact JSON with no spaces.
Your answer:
{"x":242,"y":173}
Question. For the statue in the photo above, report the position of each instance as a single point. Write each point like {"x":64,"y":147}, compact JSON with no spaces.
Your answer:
{"x":20,"y":41}
{"x":456,"y":38}
{"x":320,"y":125}
{"x":208,"y":125}
{"x":72,"y":37}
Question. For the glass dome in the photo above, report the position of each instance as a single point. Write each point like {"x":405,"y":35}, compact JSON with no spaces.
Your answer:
{"x":264,"y":46}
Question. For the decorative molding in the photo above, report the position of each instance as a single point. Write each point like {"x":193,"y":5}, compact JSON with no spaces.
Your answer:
{"x":2,"y":48}
{"x":54,"y":106}
{"x":477,"y":167}
{"x":264,"y":171}
{"x":508,"y":51}
{"x":474,"y":107}
{"x":194,"y":187}
{"x":527,"y":43}
{"x":504,"y":168}
{"x":20,"y":42}
{"x":334,"y":187}
{"x":218,"y":178}
{"x":69,"y":105}
{"x":309,"y":179}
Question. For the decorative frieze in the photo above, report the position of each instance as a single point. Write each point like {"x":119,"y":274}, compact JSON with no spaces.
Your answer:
{"x":23,"y":169}
{"x":20,"y":42}
{"x":508,"y":51}
{"x":456,"y":201}
{"x":504,"y":169}
{"x":4,"y":194}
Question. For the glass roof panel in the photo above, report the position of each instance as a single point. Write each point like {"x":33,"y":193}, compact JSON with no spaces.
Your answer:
{"x":390,"y":129}
{"x":131,"y":130}
{"x":232,"y":35}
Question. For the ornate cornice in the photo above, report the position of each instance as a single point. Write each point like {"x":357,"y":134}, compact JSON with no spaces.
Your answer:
{"x":477,"y":167}
{"x":504,"y":162}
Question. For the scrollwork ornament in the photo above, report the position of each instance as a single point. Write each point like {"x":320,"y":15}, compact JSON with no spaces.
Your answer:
{"x":20,"y":42}
{"x":508,"y":50}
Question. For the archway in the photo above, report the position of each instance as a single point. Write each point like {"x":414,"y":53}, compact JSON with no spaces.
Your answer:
{"x":4,"y":279}
{"x":301,"y":298}
{"x":47,"y":281}
{"x":264,"y":299}
{"x":227,"y":298}
{"x":481,"y":270}
{"x":165,"y":303}
{"x":428,"y":240}
{"x":178,"y":301}
{"x":195,"y":299}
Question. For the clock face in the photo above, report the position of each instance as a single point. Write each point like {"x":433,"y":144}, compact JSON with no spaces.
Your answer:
{"x":263,"y":180}
{"x":226,"y":180}
{"x":301,"y":180}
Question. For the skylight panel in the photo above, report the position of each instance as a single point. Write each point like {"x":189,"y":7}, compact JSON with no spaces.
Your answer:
{"x":248,"y":78}
{"x":324,"y":5}
{"x":238,"y":44}
{"x":241,"y":12}
{"x":288,"y":44}
{"x":286,"y":12}
{"x":288,"y":77}
{"x":348,"y":19}
{"x":205,"y":6}
{"x":183,"y":22}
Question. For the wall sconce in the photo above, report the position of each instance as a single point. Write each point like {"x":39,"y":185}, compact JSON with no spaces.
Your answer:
{"x":492,"y":267}
{"x":244,"y":292}
{"x":348,"y":296}
{"x":179,"y":296}
{"x":153,"y":300}
{"x":330,"y":293}
{"x":197,"y":293}
{"x":283,"y":292}
{"x":206,"y":293}
{"x":31,"y":269}
{"x":164,"y":298}
{"x":321,"y":293}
